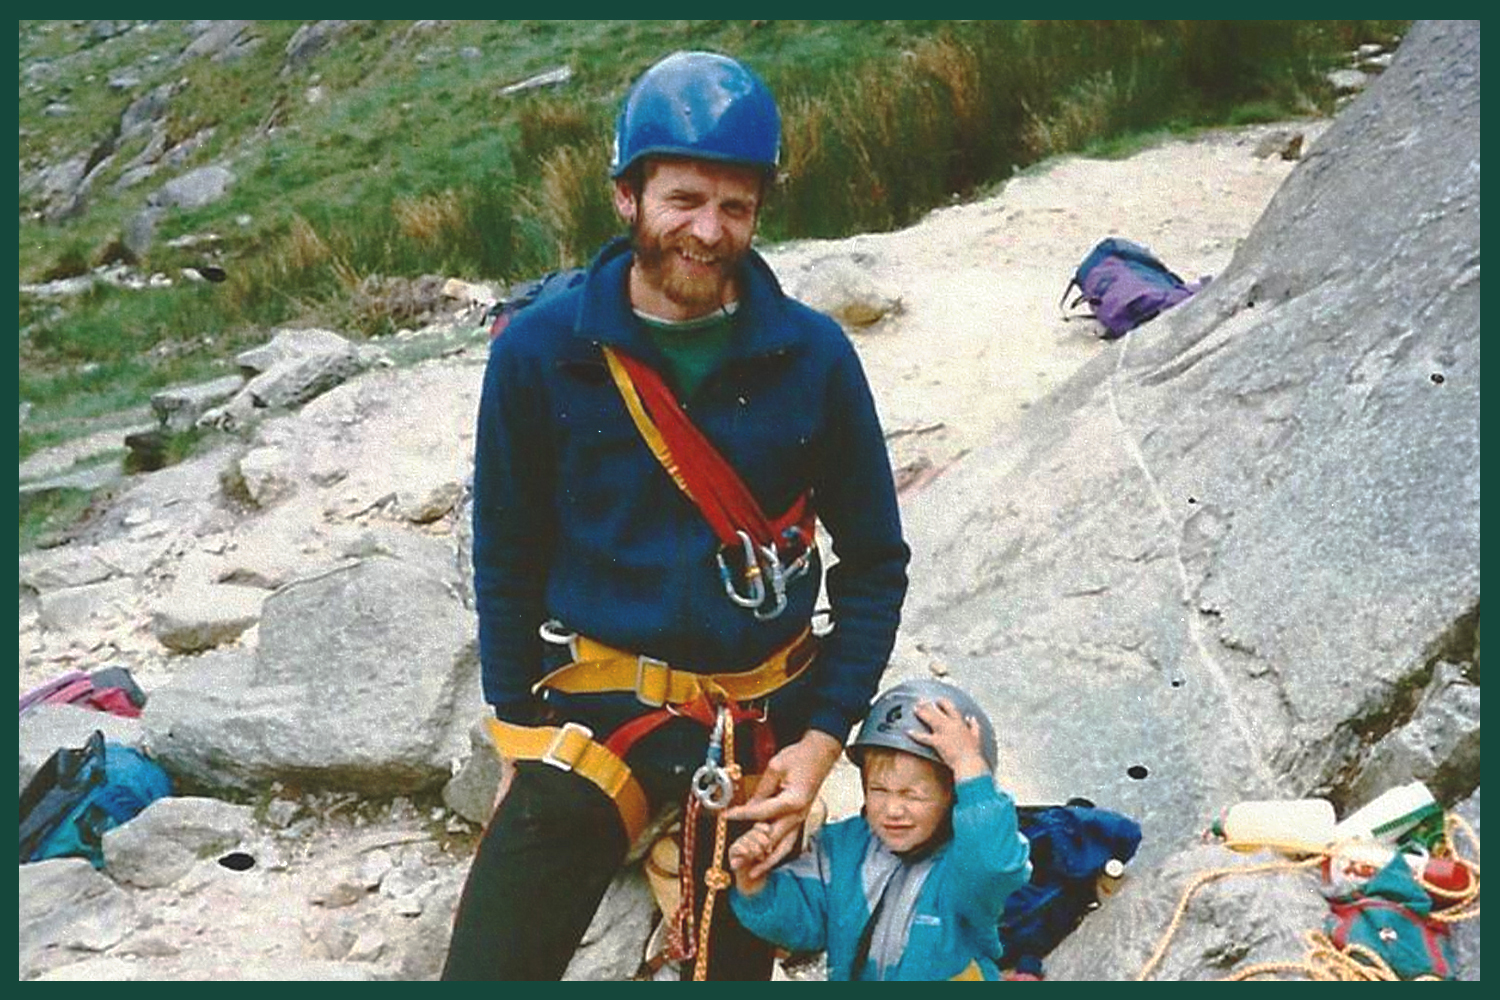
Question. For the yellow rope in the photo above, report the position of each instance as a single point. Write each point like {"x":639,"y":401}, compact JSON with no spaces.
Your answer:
{"x":1325,"y":962}
{"x":1202,"y":879}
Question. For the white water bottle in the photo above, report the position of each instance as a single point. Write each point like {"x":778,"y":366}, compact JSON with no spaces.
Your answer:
{"x":1291,"y":826}
{"x":1390,"y":816}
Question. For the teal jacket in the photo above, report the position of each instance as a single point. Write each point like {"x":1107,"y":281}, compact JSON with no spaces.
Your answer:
{"x":941,"y":915}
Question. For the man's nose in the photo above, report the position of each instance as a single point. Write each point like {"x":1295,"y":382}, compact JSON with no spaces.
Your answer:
{"x":708,"y":227}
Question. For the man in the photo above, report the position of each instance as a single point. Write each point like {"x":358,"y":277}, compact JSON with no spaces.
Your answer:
{"x":637,"y":642}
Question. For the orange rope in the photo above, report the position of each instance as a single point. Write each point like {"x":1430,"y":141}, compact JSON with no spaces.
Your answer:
{"x":716,"y":878}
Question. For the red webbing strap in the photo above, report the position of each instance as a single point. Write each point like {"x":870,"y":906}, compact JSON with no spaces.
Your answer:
{"x":694,"y":464}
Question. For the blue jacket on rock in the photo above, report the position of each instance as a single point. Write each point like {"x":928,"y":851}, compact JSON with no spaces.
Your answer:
{"x":575,"y":520}
{"x":941,"y":915}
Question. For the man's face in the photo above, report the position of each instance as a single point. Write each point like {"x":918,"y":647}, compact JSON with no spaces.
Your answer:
{"x":690,"y":228}
{"x":905,"y":799}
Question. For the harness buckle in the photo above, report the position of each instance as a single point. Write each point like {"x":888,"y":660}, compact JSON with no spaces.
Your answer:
{"x":643,"y":664}
{"x":550,"y":755}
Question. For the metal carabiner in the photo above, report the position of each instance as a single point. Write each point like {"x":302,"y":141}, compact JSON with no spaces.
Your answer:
{"x":778,"y":586}
{"x":799,"y":566}
{"x":755,"y":585}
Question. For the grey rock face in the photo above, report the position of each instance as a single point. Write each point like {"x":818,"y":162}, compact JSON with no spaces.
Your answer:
{"x":1217,"y":563}
{"x":1246,"y":916}
{"x":1221,"y":547}
{"x":1438,"y":746}
{"x":1465,"y":933}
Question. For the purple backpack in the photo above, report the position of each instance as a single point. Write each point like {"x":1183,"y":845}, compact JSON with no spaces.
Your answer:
{"x":1125,"y":285}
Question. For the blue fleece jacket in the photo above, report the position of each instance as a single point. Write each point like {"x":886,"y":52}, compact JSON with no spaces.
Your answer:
{"x":941,"y":914}
{"x":575,"y":520}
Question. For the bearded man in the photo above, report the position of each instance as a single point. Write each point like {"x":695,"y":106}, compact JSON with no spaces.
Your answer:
{"x":655,"y":445}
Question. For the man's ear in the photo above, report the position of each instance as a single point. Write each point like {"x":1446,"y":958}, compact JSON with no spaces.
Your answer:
{"x":625,"y":201}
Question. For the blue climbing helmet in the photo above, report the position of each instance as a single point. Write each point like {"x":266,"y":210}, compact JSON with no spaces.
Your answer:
{"x":700,"y":105}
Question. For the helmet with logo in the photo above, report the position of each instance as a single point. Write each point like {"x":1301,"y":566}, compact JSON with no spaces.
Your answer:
{"x":893,"y":718}
{"x":700,"y":105}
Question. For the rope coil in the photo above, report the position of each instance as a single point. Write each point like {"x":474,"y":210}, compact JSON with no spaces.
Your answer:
{"x":1323,"y":960}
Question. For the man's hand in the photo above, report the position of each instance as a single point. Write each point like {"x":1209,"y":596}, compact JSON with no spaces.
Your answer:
{"x":954,"y":736}
{"x":785,"y":794}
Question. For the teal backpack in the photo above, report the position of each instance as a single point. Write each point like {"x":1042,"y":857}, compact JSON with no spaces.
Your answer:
{"x":80,"y":793}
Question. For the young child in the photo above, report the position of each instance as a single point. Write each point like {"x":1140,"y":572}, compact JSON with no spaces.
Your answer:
{"x":913,"y":887}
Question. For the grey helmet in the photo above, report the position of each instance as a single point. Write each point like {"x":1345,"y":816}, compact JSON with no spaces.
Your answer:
{"x":893,"y":717}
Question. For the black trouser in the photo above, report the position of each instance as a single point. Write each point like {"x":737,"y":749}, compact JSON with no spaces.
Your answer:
{"x":544,"y":863}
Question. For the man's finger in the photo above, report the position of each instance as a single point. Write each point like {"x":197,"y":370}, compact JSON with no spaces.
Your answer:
{"x":757,"y":809}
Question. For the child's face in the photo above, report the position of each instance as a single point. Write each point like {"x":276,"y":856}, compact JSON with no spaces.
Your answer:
{"x":905,"y":799}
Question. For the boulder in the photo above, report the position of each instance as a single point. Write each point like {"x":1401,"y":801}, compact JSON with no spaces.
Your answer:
{"x":364,"y":678}
{"x":61,"y":568}
{"x":193,"y":190}
{"x":45,"y":729}
{"x":193,"y":619}
{"x":310,"y":39}
{"x":145,"y":111}
{"x":215,"y":39}
{"x":615,"y":942}
{"x":296,"y":366}
{"x":91,"y":605}
{"x":471,"y":792}
{"x":843,"y":287}
{"x":170,"y":836}
{"x":68,"y":912}
{"x":179,"y":408}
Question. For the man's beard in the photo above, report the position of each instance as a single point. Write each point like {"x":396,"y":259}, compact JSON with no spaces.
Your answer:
{"x":652,"y":256}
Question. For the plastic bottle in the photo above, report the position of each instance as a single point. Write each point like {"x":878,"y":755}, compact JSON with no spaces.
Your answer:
{"x":1110,"y":878}
{"x":1291,"y":826}
{"x":1390,"y":815}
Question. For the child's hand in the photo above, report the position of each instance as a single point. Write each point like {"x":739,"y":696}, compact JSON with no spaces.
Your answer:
{"x":955,"y":738}
{"x":753,"y":846}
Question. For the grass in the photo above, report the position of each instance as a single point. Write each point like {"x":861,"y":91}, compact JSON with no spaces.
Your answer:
{"x":392,"y":155}
{"x":46,"y":516}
